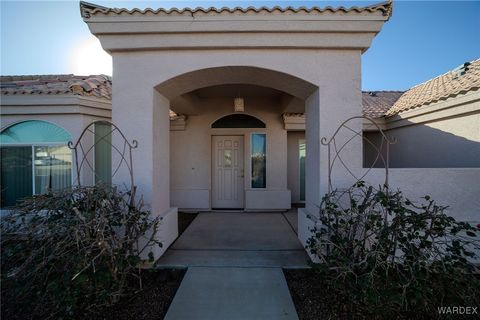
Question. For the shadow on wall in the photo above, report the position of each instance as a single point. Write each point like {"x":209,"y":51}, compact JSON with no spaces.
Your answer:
{"x":422,"y":146}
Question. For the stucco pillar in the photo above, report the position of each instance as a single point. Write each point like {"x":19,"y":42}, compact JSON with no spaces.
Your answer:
{"x":337,"y":99}
{"x":143,"y":115}
{"x":312,"y":163}
{"x":313,"y":179}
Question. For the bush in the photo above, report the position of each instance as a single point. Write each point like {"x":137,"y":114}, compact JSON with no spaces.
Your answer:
{"x":70,"y":252}
{"x":388,"y":254}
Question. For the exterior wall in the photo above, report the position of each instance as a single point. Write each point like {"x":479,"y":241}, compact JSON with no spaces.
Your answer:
{"x":72,"y":113}
{"x":447,"y":143}
{"x":457,"y":188}
{"x":336,"y":74}
{"x":441,"y":135}
{"x":293,"y":163}
{"x":190,"y":156}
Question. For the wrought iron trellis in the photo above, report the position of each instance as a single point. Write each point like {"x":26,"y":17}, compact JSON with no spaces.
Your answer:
{"x":335,"y":149}
{"x":83,"y":150}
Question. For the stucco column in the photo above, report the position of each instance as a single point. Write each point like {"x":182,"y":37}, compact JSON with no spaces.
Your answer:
{"x":337,"y":99}
{"x":312,"y":163}
{"x":143,"y":115}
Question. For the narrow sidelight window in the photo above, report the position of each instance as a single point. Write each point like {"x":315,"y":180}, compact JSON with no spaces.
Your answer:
{"x":259,"y":160}
{"x":301,"y":161}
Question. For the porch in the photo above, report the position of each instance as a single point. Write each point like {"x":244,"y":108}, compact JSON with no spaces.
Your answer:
{"x":238,"y":239}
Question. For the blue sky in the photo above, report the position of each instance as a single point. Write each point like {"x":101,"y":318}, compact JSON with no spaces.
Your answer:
{"x":421,"y":40}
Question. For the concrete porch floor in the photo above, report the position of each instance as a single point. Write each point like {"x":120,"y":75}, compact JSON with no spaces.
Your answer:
{"x":238,"y":239}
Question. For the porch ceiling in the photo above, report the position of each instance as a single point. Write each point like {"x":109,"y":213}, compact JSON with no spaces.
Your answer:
{"x":238,"y":90}
{"x":238,"y":75}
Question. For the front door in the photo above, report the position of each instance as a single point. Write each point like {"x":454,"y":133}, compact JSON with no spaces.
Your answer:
{"x":227,"y":172}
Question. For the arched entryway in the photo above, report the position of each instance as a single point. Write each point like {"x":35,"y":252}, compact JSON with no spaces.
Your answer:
{"x":225,"y":157}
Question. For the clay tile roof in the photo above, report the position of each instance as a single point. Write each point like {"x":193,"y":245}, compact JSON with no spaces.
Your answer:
{"x":376,"y":103}
{"x":463,"y":79}
{"x":89,"y":9}
{"x":99,"y":86}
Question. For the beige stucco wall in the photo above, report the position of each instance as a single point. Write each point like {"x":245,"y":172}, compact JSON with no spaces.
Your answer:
{"x":336,"y":73}
{"x":445,"y":134}
{"x":447,"y":143}
{"x":71,"y":113}
{"x":190,"y":155}
{"x":293,"y":163}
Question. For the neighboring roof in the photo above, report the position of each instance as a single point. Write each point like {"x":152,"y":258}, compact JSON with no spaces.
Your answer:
{"x":99,"y":86}
{"x":376,"y":103}
{"x":88,"y":9}
{"x":463,"y":79}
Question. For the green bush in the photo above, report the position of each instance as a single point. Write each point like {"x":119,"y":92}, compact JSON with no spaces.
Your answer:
{"x":389,"y":255}
{"x":68,"y":253}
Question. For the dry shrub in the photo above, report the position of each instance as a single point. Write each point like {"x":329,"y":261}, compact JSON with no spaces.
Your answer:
{"x":71,"y":252}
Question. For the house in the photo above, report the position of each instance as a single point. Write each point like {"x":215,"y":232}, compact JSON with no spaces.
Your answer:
{"x":437,"y":123}
{"x":229,"y":108}
{"x":39,"y":116}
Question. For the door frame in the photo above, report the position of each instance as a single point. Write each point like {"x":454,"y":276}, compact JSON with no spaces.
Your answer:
{"x":212,"y":163}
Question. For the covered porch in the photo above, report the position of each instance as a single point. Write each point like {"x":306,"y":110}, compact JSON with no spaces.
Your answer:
{"x":161,"y":57}
{"x":238,"y":239}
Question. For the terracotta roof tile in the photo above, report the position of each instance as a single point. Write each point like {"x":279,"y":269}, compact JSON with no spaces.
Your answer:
{"x":376,"y":103}
{"x":96,"y":85}
{"x":460,"y":80}
{"x":89,"y":9}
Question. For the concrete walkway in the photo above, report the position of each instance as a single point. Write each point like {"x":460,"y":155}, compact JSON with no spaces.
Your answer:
{"x":208,"y":293}
{"x":235,"y":263}
{"x":238,"y":239}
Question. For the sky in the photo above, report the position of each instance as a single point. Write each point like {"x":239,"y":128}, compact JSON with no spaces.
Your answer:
{"x":421,"y":40}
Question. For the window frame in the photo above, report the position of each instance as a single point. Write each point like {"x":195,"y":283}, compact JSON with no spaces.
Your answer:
{"x":35,"y":144}
{"x":300,"y":141}
{"x":250,"y":160}
{"x":32,"y":148}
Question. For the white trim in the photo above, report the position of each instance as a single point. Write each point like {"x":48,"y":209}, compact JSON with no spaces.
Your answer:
{"x":33,"y":169}
{"x":42,"y":144}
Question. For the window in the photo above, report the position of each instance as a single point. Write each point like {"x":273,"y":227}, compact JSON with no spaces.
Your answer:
{"x":301,"y":163}
{"x":259,"y":160}
{"x":103,"y":152}
{"x":238,"y":121}
{"x":34,"y":158}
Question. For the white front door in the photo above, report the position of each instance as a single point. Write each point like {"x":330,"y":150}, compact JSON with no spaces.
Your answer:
{"x":227,"y":172}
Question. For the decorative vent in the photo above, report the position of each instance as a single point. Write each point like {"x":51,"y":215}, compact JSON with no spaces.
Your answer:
{"x":461,"y":70}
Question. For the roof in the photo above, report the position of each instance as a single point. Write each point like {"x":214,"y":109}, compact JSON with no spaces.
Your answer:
{"x":377,"y":103}
{"x":89,"y":9}
{"x":462,"y":79}
{"x":99,"y":86}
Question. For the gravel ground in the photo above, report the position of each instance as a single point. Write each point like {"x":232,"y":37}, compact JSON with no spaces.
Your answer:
{"x":312,"y":299}
{"x":152,"y":302}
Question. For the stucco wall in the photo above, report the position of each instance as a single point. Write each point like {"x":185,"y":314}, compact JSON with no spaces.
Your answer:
{"x":336,"y":74}
{"x":190,"y":155}
{"x":293,"y":163}
{"x":447,"y":143}
{"x":71,"y":113}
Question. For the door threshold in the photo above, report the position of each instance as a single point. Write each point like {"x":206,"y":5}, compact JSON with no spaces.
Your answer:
{"x":227,"y":210}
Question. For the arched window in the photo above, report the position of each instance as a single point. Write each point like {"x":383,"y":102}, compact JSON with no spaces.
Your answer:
{"x":34,"y":158}
{"x":238,"y":121}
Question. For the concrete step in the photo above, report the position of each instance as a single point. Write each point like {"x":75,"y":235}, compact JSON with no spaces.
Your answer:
{"x":233,"y":258}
